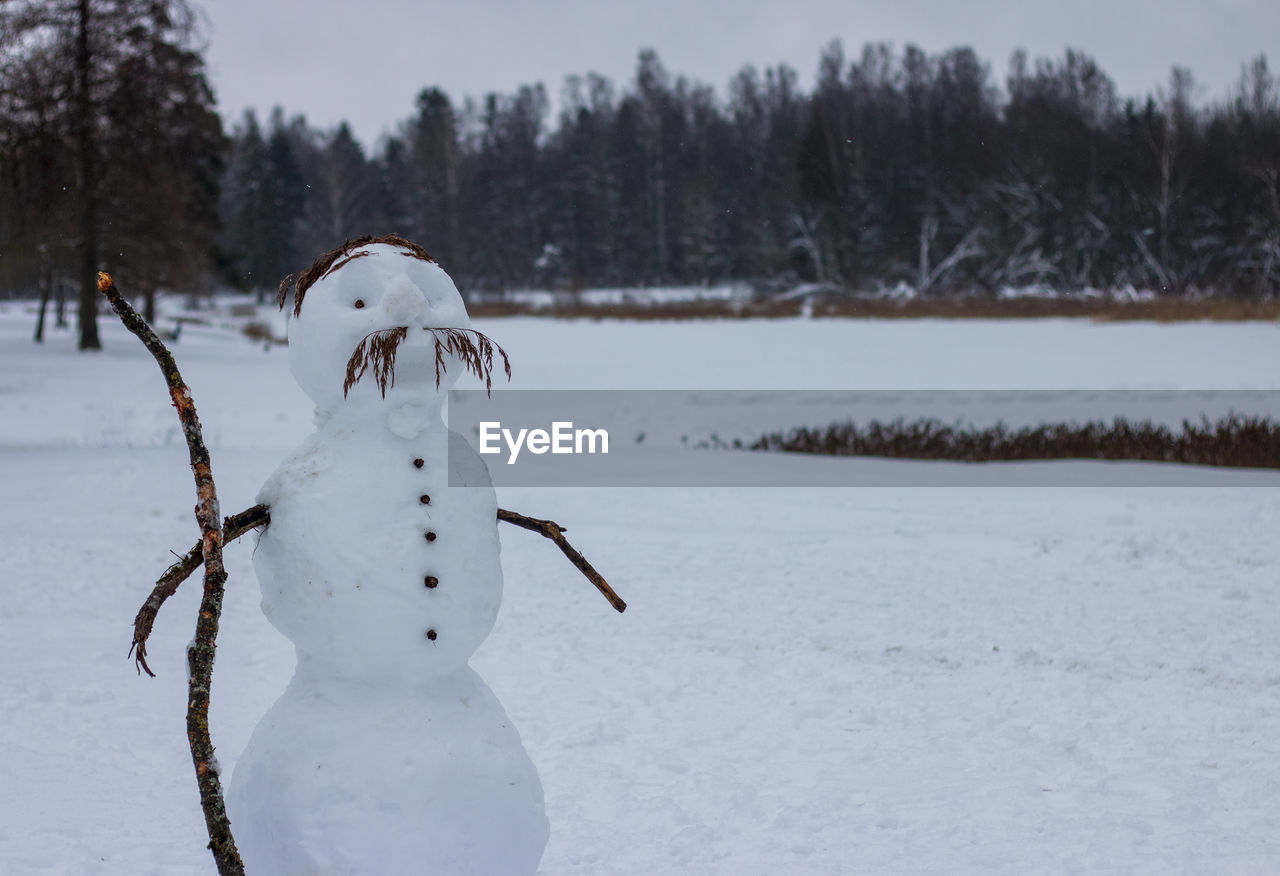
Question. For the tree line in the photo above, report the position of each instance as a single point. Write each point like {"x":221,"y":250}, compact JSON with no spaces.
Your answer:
{"x":902,"y":170}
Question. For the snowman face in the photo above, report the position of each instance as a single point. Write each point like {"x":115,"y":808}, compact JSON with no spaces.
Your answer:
{"x":374,"y":288}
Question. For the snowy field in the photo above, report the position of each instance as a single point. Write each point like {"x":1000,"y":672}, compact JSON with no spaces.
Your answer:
{"x":807,"y":681}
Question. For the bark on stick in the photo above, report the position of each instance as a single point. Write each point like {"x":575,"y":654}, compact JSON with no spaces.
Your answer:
{"x":200,"y":653}
{"x":553,"y":530}
{"x":232,"y":528}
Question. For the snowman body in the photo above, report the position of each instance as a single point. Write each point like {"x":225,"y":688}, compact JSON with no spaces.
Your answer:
{"x":387,"y":753}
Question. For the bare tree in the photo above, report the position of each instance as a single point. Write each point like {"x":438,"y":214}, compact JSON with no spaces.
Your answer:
{"x":131,"y":113}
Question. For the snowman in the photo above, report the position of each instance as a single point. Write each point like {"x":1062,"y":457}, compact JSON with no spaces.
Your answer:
{"x":387,"y":753}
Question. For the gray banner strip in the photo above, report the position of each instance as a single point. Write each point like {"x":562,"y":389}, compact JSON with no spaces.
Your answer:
{"x":670,"y":438}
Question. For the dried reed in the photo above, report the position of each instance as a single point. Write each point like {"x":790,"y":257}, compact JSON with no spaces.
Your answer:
{"x":301,"y":281}
{"x":377,"y":353}
{"x":1234,"y":441}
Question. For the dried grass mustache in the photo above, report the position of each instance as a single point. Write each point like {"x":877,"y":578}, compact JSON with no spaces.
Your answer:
{"x":376,"y":353}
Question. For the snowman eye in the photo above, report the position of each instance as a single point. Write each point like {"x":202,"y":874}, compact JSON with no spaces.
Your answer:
{"x":359,"y":303}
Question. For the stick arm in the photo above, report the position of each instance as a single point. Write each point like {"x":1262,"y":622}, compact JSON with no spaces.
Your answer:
{"x":260,"y":515}
{"x":553,"y":531}
{"x":232,"y":527}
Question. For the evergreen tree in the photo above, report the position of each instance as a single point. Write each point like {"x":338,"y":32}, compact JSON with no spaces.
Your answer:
{"x":165,"y":239}
{"x":433,"y":159}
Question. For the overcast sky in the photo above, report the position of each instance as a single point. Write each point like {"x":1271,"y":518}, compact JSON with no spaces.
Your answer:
{"x":364,"y":61}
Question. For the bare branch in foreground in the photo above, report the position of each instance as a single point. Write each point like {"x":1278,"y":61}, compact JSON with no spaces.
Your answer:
{"x":200,"y":652}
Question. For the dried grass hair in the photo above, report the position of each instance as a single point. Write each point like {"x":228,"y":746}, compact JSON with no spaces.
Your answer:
{"x":377,"y":353}
{"x":300,"y":281}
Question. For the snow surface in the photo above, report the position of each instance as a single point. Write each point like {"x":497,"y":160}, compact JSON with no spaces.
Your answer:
{"x":808,"y":681}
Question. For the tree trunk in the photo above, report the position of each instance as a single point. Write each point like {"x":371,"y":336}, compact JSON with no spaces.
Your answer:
{"x":452,"y":238}
{"x":46,"y":280}
{"x":60,"y":304}
{"x":660,"y":210}
{"x":928,"y":228}
{"x":88,"y":316}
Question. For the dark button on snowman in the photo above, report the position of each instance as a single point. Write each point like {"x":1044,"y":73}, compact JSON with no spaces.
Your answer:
{"x":387,"y":753}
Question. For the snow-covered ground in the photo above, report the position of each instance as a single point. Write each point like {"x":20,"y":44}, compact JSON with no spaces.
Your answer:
{"x":807,"y":681}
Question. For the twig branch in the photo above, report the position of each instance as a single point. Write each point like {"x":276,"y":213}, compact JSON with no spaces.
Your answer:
{"x":553,"y":530}
{"x":200,"y":652}
{"x":260,"y":515}
{"x":232,"y":528}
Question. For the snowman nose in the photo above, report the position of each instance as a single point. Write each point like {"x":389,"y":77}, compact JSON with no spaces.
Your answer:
{"x":403,"y":300}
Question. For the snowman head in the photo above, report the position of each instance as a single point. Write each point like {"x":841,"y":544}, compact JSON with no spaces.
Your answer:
{"x":375,"y":317}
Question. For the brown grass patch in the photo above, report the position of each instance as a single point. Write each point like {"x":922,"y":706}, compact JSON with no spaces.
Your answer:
{"x":260,"y":331}
{"x":1234,"y":441}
